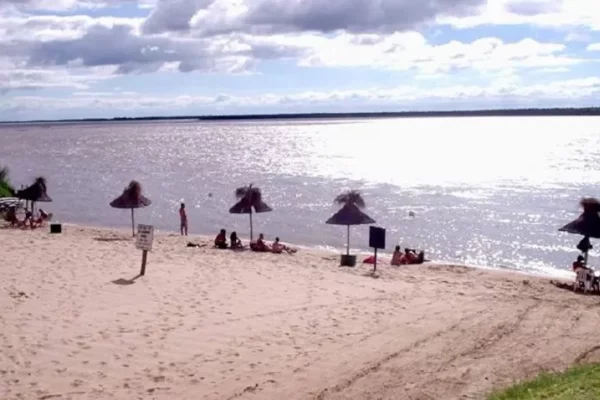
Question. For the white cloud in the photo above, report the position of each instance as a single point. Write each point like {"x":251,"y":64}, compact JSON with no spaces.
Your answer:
{"x":577,"y":37}
{"x":593,"y":47}
{"x":45,"y":28}
{"x":510,"y":89}
{"x":557,"y":70}
{"x":75,"y":45}
{"x":62,"y":5}
{"x":281,"y":16}
{"x":544,"y":13}
{"x":410,"y":51}
{"x":236,"y":36}
{"x":36,"y":78}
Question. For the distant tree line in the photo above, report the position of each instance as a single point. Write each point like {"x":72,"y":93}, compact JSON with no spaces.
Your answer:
{"x":520,"y":112}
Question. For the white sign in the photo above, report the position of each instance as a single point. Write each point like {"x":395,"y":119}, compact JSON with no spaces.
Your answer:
{"x":145,"y":237}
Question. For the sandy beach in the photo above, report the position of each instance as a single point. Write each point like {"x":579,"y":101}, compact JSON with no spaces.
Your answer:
{"x":216,"y":324}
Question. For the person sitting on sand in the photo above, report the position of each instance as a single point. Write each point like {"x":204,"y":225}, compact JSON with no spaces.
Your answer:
{"x":221,"y":240}
{"x":28,"y":218}
{"x":580,"y":263}
{"x":279,"y":247}
{"x":41,"y":219}
{"x":236,"y":243}
{"x":410,"y":257}
{"x":260,"y":244}
{"x":397,"y":257}
{"x":11,"y":216}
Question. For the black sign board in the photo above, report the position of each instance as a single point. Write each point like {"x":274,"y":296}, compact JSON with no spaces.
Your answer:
{"x":377,"y":237}
{"x":376,"y":241}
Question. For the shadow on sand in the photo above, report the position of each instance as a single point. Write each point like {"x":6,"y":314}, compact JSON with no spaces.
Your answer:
{"x":372,"y":274}
{"x":100,"y":239}
{"x":569,"y":287}
{"x":125,"y":282}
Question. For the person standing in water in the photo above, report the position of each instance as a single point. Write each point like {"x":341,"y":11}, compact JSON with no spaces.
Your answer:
{"x":183,"y":219}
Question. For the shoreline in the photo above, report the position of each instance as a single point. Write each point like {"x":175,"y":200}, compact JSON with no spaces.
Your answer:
{"x":215,"y":324}
{"x":331,"y":251}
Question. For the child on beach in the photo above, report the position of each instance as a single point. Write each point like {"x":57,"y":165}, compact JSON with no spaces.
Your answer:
{"x":236,"y":243}
{"x":183,"y":220}
{"x":221,"y":240}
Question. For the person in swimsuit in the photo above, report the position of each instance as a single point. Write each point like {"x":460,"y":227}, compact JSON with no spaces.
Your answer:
{"x":279,"y":247}
{"x":221,"y":240}
{"x":397,"y":257}
{"x":580,"y":264}
{"x":260,"y":244}
{"x":183,"y":220}
{"x":410,"y":257}
{"x":236,"y":243}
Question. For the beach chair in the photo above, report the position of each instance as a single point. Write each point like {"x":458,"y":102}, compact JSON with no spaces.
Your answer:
{"x":11,"y":217}
{"x":584,"y":280}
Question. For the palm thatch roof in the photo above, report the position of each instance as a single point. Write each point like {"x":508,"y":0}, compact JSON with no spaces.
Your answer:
{"x":350,"y":214}
{"x":250,"y":200}
{"x":350,"y":196}
{"x":131,"y":197}
{"x":37,"y":192}
{"x":588,"y":223}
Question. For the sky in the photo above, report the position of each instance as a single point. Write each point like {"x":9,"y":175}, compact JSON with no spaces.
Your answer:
{"x":125,"y":58}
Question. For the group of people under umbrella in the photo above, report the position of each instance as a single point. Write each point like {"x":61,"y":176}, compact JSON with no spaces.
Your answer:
{"x":35,"y":193}
{"x":588,"y":226}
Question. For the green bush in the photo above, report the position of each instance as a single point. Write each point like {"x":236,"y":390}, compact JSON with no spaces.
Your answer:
{"x":6,"y":190}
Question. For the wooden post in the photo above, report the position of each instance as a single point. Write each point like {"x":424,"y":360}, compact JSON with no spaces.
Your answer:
{"x":144,"y":258}
{"x":144,"y":240}
{"x":348,"y":241}
{"x":251,"y":233}
{"x":375,"y":261}
{"x":132,"y":223}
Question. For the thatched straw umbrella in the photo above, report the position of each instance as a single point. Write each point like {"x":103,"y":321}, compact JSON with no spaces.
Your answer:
{"x":250,"y":198}
{"x":350,"y":213}
{"x":587,"y":224}
{"x":131,"y":198}
{"x":35,"y":192}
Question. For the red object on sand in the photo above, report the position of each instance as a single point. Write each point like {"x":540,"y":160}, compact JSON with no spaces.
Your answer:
{"x":369,"y":260}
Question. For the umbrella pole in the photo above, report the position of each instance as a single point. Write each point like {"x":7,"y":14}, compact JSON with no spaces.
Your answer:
{"x":585,"y":257}
{"x":132,"y":223}
{"x":251,"y":225}
{"x":348,"y":242}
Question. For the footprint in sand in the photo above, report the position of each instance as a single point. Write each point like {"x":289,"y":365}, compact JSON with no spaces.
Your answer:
{"x":77,"y":383}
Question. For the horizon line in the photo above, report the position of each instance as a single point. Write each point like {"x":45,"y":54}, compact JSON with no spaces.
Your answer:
{"x":494,"y":112}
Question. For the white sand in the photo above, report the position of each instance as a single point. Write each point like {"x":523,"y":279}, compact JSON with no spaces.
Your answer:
{"x":215,"y":324}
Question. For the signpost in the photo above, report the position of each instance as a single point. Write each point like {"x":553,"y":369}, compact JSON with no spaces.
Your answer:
{"x":145,"y":237}
{"x":376,"y":241}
